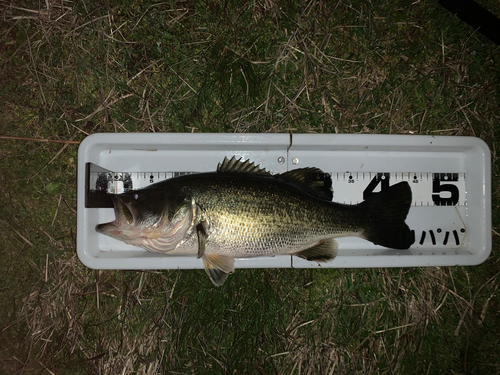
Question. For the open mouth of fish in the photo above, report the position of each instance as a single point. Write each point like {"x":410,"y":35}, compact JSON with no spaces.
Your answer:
{"x":154,"y":233}
{"x":125,"y":219}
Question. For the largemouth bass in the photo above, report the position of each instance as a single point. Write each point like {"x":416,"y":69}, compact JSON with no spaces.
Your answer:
{"x":243,"y":211}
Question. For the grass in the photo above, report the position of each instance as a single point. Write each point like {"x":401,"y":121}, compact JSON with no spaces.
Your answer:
{"x":73,"y":68}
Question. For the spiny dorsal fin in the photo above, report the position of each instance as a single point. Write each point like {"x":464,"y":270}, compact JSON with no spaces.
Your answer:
{"x":324,"y":251}
{"x":313,"y":180}
{"x":234,"y":165}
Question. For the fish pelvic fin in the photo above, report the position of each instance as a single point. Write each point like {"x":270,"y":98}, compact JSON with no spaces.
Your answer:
{"x":324,"y":251}
{"x":218,"y":267}
{"x":386,"y":213}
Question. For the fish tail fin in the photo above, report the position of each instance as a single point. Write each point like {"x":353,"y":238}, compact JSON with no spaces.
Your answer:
{"x":386,"y":213}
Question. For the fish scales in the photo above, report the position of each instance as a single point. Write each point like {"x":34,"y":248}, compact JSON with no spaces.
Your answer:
{"x":265,"y":216}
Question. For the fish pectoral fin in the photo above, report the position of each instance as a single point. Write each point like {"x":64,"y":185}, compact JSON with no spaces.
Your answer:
{"x":218,"y":267}
{"x":202,"y":238}
{"x":323,"y":251}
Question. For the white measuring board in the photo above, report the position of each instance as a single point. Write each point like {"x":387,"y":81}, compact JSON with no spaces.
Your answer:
{"x":449,"y":178}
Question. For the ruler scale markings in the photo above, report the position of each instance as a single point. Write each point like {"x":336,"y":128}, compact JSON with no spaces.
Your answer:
{"x":429,"y":189}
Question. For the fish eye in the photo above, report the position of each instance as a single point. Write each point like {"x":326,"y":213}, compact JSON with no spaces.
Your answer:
{"x":136,"y":196}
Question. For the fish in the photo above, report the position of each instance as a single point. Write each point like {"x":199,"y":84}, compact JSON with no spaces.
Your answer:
{"x":241,"y":211}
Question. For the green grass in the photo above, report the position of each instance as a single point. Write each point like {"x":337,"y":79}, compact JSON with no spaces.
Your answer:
{"x":82,"y":67}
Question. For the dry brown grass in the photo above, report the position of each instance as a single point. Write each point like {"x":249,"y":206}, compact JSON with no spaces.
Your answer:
{"x":70,"y":69}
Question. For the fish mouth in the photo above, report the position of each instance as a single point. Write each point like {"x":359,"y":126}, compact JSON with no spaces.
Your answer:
{"x":125,"y":218}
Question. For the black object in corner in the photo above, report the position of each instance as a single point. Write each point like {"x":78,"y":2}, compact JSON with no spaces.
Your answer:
{"x":476,"y":16}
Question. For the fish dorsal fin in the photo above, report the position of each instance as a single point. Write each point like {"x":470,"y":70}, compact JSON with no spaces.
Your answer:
{"x":314,"y":180}
{"x":234,"y":165}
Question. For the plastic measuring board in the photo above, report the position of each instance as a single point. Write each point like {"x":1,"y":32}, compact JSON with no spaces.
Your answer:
{"x":450,"y":179}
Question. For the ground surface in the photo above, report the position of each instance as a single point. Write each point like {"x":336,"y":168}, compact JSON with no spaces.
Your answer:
{"x":73,"y":68}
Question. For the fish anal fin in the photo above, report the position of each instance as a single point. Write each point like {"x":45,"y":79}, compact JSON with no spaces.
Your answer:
{"x":218,"y":267}
{"x":202,"y":238}
{"x":323,"y":251}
